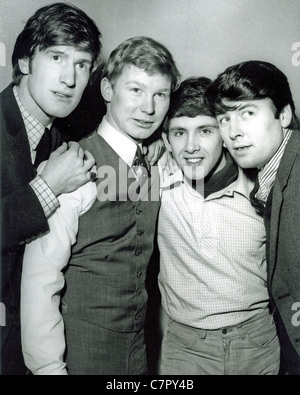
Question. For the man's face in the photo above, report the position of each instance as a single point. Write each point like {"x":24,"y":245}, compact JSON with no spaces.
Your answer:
{"x":196,"y":143}
{"x":251,"y":132}
{"x":54,"y":81}
{"x":137,"y":103}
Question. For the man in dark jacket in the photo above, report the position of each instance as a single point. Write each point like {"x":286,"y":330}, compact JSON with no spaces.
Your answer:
{"x":256,"y":113}
{"x":52,"y":62}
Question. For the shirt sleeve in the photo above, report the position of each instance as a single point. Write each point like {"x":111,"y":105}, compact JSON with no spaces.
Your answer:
{"x":48,"y":200}
{"x":42,"y":327}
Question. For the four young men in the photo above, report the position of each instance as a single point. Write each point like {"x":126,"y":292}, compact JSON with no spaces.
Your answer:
{"x":103,"y":246}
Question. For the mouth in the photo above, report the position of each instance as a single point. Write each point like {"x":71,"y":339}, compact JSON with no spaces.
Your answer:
{"x":143,"y":124}
{"x":62,"y":95}
{"x":241,"y":149}
{"x":194,"y":161}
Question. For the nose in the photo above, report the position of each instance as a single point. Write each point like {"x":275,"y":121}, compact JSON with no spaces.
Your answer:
{"x":192,"y":144}
{"x":68,"y":75}
{"x":235,"y":130}
{"x":147,"y":105}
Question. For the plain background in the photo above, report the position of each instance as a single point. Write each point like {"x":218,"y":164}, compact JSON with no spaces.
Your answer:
{"x":204,"y":36}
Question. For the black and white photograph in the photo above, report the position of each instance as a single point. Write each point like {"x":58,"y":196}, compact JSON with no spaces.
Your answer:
{"x":150,"y":190}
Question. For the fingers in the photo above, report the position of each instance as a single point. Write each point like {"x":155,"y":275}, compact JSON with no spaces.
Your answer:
{"x":73,"y":148}
{"x":173,"y":167}
{"x":77,"y":150}
{"x":155,"y":151}
{"x":156,"y":155}
{"x":150,"y":152}
{"x":60,"y":150}
{"x":89,"y":160}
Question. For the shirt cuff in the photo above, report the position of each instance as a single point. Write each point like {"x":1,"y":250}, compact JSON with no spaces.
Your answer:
{"x":48,"y":200}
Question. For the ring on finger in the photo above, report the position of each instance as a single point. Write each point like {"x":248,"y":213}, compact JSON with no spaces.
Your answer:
{"x":93,"y":176}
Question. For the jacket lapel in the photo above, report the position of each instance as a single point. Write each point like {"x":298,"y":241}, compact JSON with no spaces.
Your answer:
{"x":19,"y":159}
{"x":281,"y":181}
{"x":18,"y":151}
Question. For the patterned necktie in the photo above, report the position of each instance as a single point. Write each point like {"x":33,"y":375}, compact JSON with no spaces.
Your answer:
{"x":256,"y":203}
{"x":43,"y":148}
{"x":139,"y":167}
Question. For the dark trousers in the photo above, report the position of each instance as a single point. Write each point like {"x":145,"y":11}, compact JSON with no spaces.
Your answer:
{"x":290,"y":360}
{"x":12,"y":361}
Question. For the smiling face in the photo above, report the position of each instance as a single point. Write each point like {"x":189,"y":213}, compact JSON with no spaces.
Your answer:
{"x":137,"y":103}
{"x":196,"y":143}
{"x":251,"y":132}
{"x":54,"y":81}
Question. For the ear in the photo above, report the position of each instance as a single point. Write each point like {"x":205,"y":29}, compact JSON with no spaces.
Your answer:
{"x":166,"y":141}
{"x":106,"y":90}
{"x":24,"y":65}
{"x":286,"y":116}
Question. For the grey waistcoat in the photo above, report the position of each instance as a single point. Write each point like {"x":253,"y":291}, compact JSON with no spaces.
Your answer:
{"x":105,"y":280}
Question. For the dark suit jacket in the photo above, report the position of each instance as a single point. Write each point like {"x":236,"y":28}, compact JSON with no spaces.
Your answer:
{"x":283,"y":239}
{"x":22,"y":219}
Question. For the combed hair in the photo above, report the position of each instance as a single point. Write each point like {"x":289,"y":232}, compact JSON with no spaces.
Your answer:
{"x":252,"y":80}
{"x":57,"y":24}
{"x":144,"y":53}
{"x":189,"y":100}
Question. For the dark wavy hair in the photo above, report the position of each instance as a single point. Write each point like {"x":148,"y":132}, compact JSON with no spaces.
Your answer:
{"x":189,"y":100}
{"x":56,"y":24}
{"x":252,"y":80}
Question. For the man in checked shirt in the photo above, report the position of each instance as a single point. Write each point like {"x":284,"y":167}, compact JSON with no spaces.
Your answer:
{"x":212,"y":244}
{"x":53,"y":59}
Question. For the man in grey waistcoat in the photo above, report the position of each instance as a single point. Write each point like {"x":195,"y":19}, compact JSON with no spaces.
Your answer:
{"x":83,"y":305}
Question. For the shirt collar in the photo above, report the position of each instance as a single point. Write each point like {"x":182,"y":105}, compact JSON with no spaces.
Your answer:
{"x":34,"y":128}
{"x":267,"y":174}
{"x":242,"y":185}
{"x":119,"y":142}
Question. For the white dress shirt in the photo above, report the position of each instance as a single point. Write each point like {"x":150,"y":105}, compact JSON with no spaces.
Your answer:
{"x":42,"y":326}
{"x":212,"y":266}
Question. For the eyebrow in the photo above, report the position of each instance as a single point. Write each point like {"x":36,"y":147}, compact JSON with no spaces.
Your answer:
{"x":246,"y":105}
{"x":228,"y":107}
{"x":174,"y":128}
{"x":209,"y":125}
{"x":145,"y":86}
{"x":63,"y":53}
